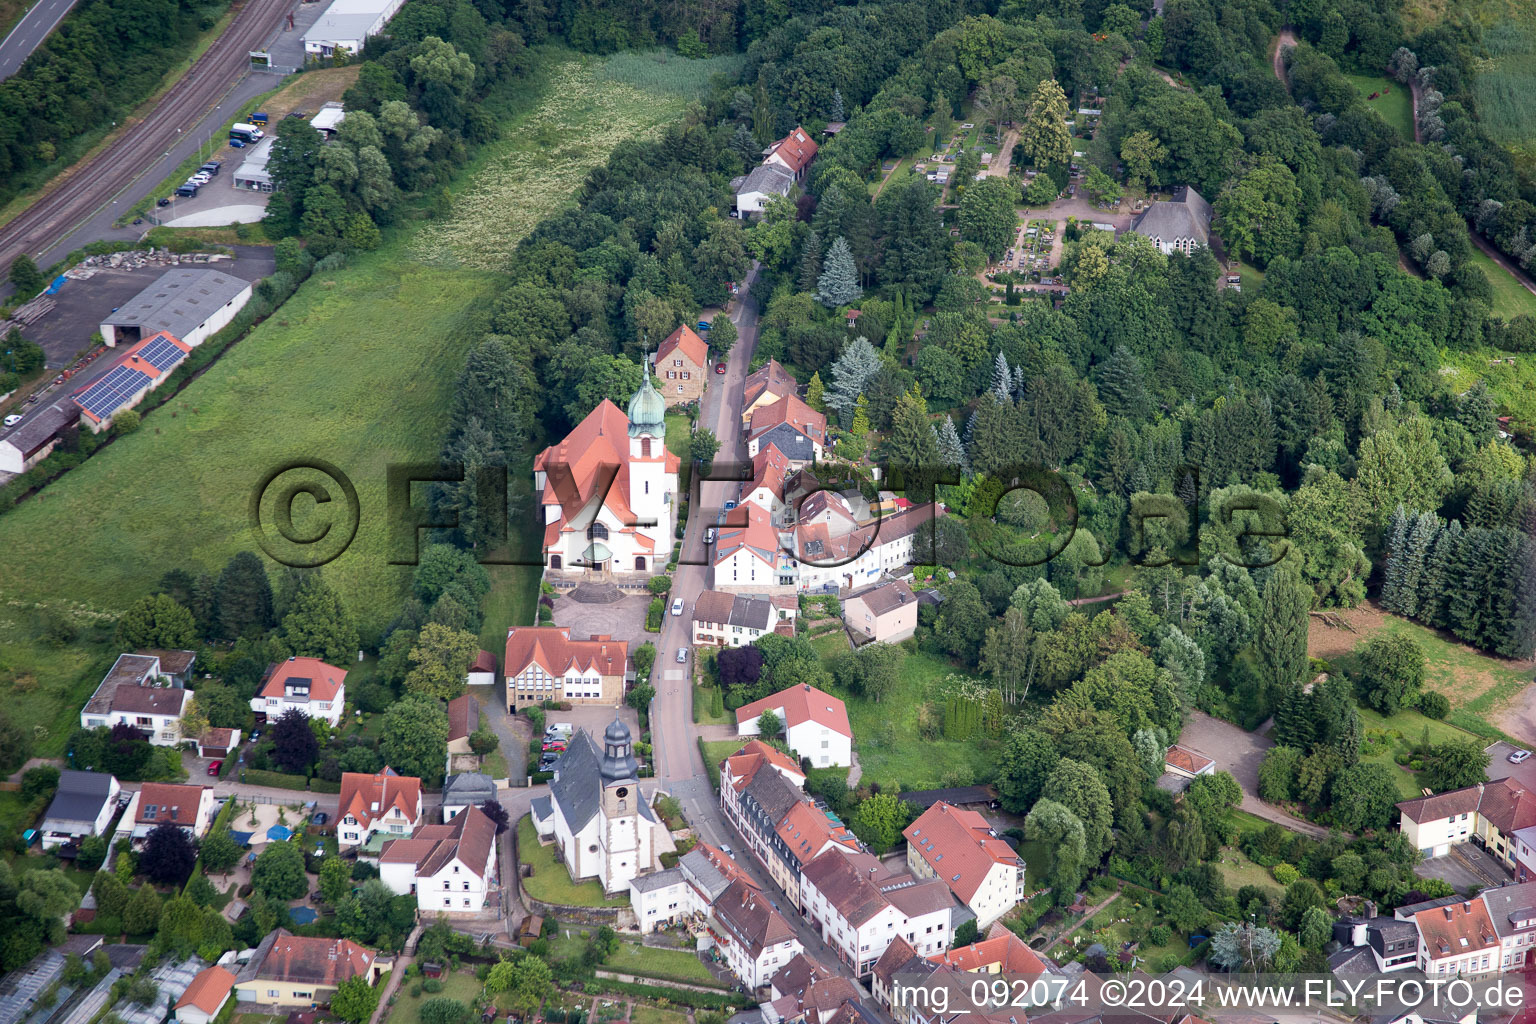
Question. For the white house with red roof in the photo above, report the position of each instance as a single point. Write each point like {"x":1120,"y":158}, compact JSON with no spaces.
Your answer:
{"x":960,"y":848}
{"x":544,"y":663}
{"x":386,"y":802}
{"x":794,"y":152}
{"x":450,"y":868}
{"x":159,"y":803}
{"x":815,"y":724}
{"x":608,"y":493}
{"x":770,"y":469}
{"x":303,"y":684}
{"x":205,"y":997}
{"x":792,"y":427}
{"x":682,"y":366}
{"x":750,"y":556}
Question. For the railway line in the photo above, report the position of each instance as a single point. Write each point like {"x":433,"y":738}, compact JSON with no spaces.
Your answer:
{"x":84,"y":189}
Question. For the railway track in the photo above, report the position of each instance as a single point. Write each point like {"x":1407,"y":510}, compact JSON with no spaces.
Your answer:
{"x":85,"y":189}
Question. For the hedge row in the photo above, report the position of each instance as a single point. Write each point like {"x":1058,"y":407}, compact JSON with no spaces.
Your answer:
{"x":680,"y":996}
{"x":278,"y":780}
{"x":324,"y":786}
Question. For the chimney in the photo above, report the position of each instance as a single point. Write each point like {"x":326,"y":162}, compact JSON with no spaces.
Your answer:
{"x":1467,"y":907}
{"x":1450,"y":912}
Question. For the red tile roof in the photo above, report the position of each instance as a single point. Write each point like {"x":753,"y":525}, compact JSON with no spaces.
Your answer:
{"x":807,"y":828}
{"x":747,"y":915}
{"x":1456,"y":929}
{"x":744,"y":765}
{"x":686,"y":343}
{"x":756,"y":535}
{"x":369,"y":797}
{"x":801,"y":703}
{"x":1001,"y":949}
{"x":325,"y":681}
{"x":789,"y":409}
{"x":771,"y":378}
{"x":836,"y":549}
{"x":172,"y":802}
{"x":485,"y":661}
{"x":312,"y":960}
{"x":553,"y":650}
{"x":960,"y":846}
{"x":585,"y":462}
{"x":208,"y":990}
{"x":797,"y":149}
{"x":1187,"y":760}
{"x":769,"y":468}
{"x":463,"y":716}
{"x":1505,"y":804}
{"x":469,"y":836}
{"x":847,"y":888}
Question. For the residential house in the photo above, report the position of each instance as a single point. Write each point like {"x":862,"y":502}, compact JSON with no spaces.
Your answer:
{"x":749,"y":556}
{"x":218,"y":742}
{"x":174,"y":665}
{"x":308,"y":685}
{"x":860,"y":911}
{"x":764,"y":386}
{"x":386,"y":802}
{"x":682,"y":366}
{"x":961,"y":849}
{"x":1178,"y":226}
{"x":544,"y":663}
{"x":483,"y":671}
{"x":770,"y":469}
{"x":884,"y":612}
{"x":82,"y":806}
{"x":1512,"y":909}
{"x":463,"y":719}
{"x":157,"y":803}
{"x":794,"y":152}
{"x":760,"y":806}
{"x":1490,"y":812}
{"x":1186,"y":763}
{"x":1456,"y":937}
{"x":827,"y":508}
{"x":827,"y":561}
{"x":685,"y":891}
{"x":1001,"y":952}
{"x":600,"y":823}
{"x":1374,"y":945}
{"x":753,"y":937}
{"x":759,"y":187}
{"x":608,"y":491}
{"x":467,"y":789}
{"x":806,"y":992}
{"x":450,"y":867}
{"x":137,"y":692}
{"x":731,"y":620}
{"x":738,"y":771}
{"x":205,"y":997}
{"x":805,"y":832}
{"x":792,"y":427}
{"x":300,"y":971}
{"x":815,"y":724}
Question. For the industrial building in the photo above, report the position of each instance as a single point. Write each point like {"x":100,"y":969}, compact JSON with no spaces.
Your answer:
{"x":329,"y":118}
{"x":252,"y":174}
{"x":142,"y":368}
{"x":189,"y":303}
{"x":347,"y":24}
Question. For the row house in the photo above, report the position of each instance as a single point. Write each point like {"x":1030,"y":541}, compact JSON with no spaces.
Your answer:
{"x":1456,"y":936}
{"x":685,"y":891}
{"x":860,"y":909}
{"x":1489,"y":814}
{"x":962,"y":850}
{"x":738,"y":771}
{"x":827,"y":560}
{"x":733,"y":620}
{"x":807,"y":992}
{"x":770,"y":473}
{"x":751,"y":555}
{"x":902,"y":967}
{"x":764,"y":386}
{"x":1491,"y":933}
{"x":753,"y":937}
{"x":791,"y":426}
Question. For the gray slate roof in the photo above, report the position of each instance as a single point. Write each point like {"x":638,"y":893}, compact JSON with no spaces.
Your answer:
{"x":542,"y":807}
{"x":773,"y":793}
{"x":1187,"y":216}
{"x":469,"y":788}
{"x":659,"y":880}
{"x":702,"y":871}
{"x":1508,"y":904}
{"x":80,"y":796}
{"x":179,"y":302}
{"x":578,"y":785}
{"x":766,"y":178}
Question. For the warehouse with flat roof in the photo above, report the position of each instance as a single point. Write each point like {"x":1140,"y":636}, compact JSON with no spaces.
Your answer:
{"x":252,"y":174}
{"x":190,"y":303}
{"x":347,"y":24}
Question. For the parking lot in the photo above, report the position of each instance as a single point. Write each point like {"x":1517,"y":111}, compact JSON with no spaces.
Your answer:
{"x":1500,"y":768}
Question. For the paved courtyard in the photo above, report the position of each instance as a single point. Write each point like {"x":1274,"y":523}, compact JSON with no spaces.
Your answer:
{"x":1467,"y":868}
{"x":623,"y":619}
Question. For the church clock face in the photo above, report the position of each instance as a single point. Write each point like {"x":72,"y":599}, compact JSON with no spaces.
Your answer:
{"x":621,"y":792}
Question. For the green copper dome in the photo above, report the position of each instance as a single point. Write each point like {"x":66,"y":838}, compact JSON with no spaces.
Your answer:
{"x":647,"y":411}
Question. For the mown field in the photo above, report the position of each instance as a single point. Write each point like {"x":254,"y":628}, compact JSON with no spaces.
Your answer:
{"x":591,"y":106}
{"x":1510,"y":298}
{"x":1393,"y":101}
{"x":356,"y":370}
{"x":1506,"y":85}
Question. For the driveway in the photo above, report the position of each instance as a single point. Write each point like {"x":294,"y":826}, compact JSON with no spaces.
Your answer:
{"x":1467,"y":868}
{"x":1240,"y":752}
{"x":1500,"y":768}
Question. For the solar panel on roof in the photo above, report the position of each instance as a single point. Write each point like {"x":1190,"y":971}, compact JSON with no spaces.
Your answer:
{"x":106,"y":395}
{"x":161,"y":353}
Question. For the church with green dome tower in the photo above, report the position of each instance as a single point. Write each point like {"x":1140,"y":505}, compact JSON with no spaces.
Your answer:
{"x":608,"y":493}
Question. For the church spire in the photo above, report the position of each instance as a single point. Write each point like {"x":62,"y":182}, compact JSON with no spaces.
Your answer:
{"x":647,"y":409}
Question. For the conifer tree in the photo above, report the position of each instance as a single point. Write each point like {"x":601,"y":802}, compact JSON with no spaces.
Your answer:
{"x":1293,"y":718}
{"x":836,"y":113}
{"x":810,"y":263}
{"x":1122,"y":386}
{"x":991,"y":446}
{"x":1397,"y":550}
{"x":860,"y":425}
{"x":1002,"y":379}
{"x":1521,"y":575}
{"x":838,"y":284}
{"x":815,"y":393}
{"x":950,"y":448}
{"x":1416,"y":552}
{"x":1438,"y":575}
{"x":1469,"y":575}
{"x":911,"y":445}
{"x":850,"y":374}
{"x":1044,"y":135}
{"x":1281,"y":644}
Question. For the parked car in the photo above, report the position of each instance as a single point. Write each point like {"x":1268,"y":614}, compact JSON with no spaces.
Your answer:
{"x":677,"y":606}
{"x":719,"y":367}
{"x":187,"y":191}
{"x":200,"y":178}
{"x":709,"y":535}
{"x":682,"y":655}
{"x":1519,"y":757}
{"x":729,"y":505}
{"x":703,"y":325}
{"x":215,"y":767}
{"x":163,"y":201}
{"x":554,"y":748}
{"x":236,"y":144}
{"x":211,"y":167}
{"x":320,"y":819}
{"x":727,"y":851}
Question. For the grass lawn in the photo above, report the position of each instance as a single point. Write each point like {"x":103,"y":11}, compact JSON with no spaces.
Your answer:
{"x":890,"y":749}
{"x":494,"y":764}
{"x":715,"y":751}
{"x":551,"y":882}
{"x":1513,"y":386}
{"x":458,"y":985}
{"x":1239,"y":871}
{"x":80,"y":879}
{"x":1510,"y":299}
{"x":1395,"y":107}
{"x":1107,"y":927}
{"x":678,"y":434}
{"x":668,"y":964}
{"x":1385,"y":737}
{"x":702,"y":705}
{"x":831,"y":644}
{"x":655,"y":1015}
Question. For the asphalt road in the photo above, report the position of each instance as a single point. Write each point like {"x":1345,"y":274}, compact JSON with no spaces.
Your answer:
{"x":29,"y":34}
{"x":94,"y":187}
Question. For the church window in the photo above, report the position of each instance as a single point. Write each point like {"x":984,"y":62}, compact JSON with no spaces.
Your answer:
{"x":597,"y":531}
{"x":645,"y":447}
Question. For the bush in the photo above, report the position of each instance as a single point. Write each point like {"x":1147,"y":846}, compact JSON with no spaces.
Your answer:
{"x":1159,"y":935}
{"x":432,"y":985}
{"x":126,"y":421}
{"x":1285,"y":874}
{"x":1434,"y":705}
{"x":659,"y":584}
{"x":281,"y":780}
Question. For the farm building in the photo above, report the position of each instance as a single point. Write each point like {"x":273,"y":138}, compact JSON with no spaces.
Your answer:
{"x":347,"y":24}
{"x":252,"y":174}
{"x":31,"y":441}
{"x":140,"y":369}
{"x":187,"y":303}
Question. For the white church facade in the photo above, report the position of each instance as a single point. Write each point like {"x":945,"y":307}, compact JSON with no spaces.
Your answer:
{"x":609,"y":493}
{"x":600,"y":824}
